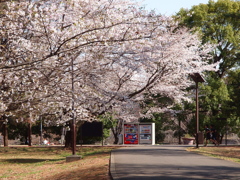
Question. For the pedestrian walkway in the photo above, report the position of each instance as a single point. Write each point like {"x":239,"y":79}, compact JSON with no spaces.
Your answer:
{"x":170,"y":163}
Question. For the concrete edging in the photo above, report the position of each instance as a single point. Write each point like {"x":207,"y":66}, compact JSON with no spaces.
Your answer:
{"x":112,"y":169}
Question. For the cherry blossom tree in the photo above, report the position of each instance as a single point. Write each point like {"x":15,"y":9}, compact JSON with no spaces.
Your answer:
{"x":84,"y":58}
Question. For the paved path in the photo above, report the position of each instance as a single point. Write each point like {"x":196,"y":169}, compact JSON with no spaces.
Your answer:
{"x":170,"y":163}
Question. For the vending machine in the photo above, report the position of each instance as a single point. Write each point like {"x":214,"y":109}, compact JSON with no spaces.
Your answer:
{"x":130,"y":133}
{"x":145,"y":133}
{"x":139,"y":133}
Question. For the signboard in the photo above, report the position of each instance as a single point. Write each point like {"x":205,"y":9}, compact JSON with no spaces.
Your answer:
{"x":92,"y":129}
{"x":145,"y":133}
{"x":130,"y":133}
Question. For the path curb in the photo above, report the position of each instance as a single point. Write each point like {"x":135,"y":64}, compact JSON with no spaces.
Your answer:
{"x":112,"y":168}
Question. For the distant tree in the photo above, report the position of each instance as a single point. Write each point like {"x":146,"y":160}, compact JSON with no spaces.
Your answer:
{"x":218,"y":22}
{"x":157,"y":109}
{"x":233,"y":110}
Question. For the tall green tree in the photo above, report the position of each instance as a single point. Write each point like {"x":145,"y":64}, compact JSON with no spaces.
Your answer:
{"x":214,"y":103}
{"x":233,"y":82}
{"x":219,"y":23}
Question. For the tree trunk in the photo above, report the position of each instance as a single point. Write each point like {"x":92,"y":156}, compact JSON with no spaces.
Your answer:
{"x":29,"y":134}
{"x":117,"y":130}
{"x":5,"y":135}
{"x":68,"y":137}
{"x":116,"y":139}
{"x":221,"y":138}
{"x":179,"y":131}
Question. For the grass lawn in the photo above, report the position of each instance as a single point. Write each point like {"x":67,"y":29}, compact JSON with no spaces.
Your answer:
{"x":49,"y":163}
{"x":230,"y":153}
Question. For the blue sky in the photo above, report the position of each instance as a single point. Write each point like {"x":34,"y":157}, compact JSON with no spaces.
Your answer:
{"x":170,"y":7}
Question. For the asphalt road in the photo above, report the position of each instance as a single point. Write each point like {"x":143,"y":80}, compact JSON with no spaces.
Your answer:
{"x":170,"y":163}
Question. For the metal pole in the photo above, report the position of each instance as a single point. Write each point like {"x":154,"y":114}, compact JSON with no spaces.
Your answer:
{"x":197,"y":115}
{"x":73,"y":157}
{"x":73,"y":115}
{"x":197,"y":78}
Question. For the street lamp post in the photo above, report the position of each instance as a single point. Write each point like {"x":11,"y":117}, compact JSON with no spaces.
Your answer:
{"x":73,"y":115}
{"x":197,"y":78}
{"x":73,"y":157}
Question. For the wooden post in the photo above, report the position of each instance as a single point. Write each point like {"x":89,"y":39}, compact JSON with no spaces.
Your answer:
{"x":5,"y":135}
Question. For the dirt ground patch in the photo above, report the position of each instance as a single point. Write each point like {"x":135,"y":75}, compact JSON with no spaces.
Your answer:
{"x":50,"y":163}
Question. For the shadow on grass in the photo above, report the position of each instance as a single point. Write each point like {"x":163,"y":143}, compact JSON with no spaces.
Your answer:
{"x":98,"y":172}
{"x":31,"y":160}
{"x":98,"y":154}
